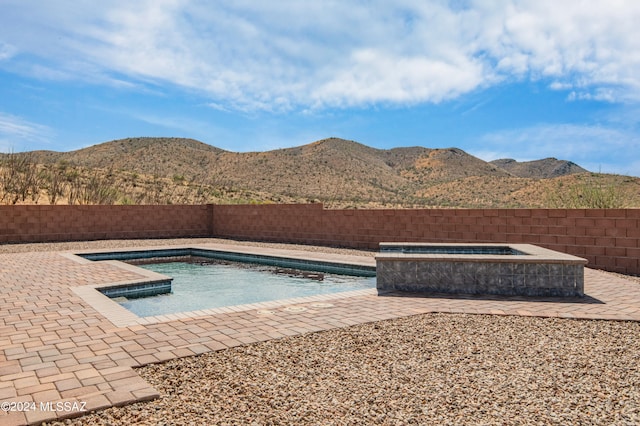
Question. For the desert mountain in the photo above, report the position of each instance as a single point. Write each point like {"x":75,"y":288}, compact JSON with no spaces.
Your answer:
{"x":329,"y":169}
{"x":539,"y":169}
{"x":142,"y":155}
{"x":337,"y":172}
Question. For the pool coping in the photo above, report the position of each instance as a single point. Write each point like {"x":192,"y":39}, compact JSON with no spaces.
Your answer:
{"x":531,"y":254}
{"x":122,"y":317}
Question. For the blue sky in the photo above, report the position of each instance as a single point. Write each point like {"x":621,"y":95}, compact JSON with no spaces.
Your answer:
{"x":498,"y":79}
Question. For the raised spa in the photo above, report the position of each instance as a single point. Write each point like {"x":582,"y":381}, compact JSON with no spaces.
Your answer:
{"x":500,"y":269}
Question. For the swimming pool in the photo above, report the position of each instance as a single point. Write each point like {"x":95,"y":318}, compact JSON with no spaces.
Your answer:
{"x":204,"y":284}
{"x":189,"y":280}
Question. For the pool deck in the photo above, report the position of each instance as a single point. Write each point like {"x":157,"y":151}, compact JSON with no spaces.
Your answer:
{"x":62,"y":341}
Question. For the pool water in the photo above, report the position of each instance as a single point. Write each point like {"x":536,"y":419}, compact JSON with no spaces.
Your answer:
{"x":208,"y":284}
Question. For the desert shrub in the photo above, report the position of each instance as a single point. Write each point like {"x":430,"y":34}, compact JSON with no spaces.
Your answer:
{"x":95,"y":190}
{"x":54,"y":182}
{"x":20,"y":178}
{"x":590,"y":192}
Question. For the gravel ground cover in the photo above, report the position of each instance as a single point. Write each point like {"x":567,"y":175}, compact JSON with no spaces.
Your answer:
{"x":444,"y":369}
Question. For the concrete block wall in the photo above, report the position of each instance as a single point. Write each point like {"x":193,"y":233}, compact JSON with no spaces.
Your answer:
{"x":22,"y":224}
{"x":608,"y":238}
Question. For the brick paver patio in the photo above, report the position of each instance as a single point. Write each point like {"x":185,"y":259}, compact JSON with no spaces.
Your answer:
{"x":61,"y":341}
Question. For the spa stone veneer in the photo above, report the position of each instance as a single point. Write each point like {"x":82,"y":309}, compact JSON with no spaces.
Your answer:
{"x":503,"y":269}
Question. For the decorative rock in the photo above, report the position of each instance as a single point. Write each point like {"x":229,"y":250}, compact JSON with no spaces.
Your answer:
{"x":444,"y":369}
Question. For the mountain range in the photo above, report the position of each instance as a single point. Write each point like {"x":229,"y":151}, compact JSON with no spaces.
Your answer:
{"x":334,"y":171}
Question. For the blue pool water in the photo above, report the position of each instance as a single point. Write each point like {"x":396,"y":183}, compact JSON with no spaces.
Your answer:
{"x":214,"y":284}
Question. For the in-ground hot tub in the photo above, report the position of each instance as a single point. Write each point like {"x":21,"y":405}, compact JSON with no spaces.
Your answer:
{"x":504,"y":269}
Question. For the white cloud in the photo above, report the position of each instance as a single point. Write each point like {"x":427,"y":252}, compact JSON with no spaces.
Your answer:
{"x":401,"y":79}
{"x":595,"y":148}
{"x":18,"y":134}
{"x":289,"y":54}
{"x":6,"y":51}
{"x":588,"y":46}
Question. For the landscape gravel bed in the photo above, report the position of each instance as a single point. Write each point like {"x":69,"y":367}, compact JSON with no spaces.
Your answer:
{"x":443,"y":369}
